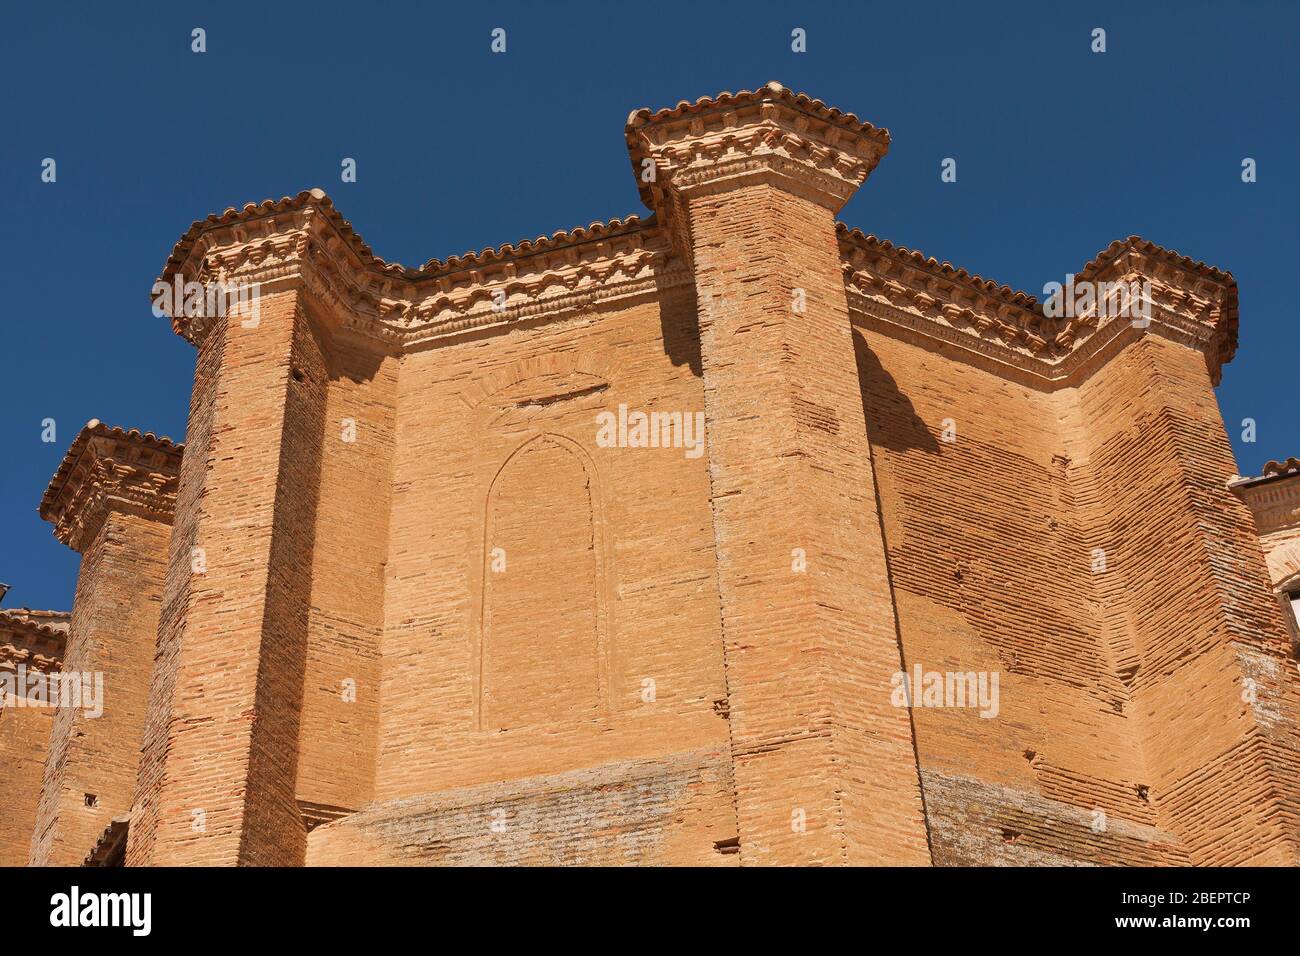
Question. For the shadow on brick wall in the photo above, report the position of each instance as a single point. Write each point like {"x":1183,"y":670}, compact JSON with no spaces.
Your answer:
{"x":680,"y":326}
{"x":892,"y":421}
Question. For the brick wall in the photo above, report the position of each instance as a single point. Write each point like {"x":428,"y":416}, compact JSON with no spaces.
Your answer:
{"x":674,"y":810}
{"x":990,"y":549}
{"x":435,"y":613}
{"x":825,"y":769}
{"x":1211,"y":678}
{"x":178,"y":592}
{"x":227,"y":701}
{"x":497,"y":678}
{"x":90,"y":771}
{"x":340,"y":717}
{"x":24,"y":735}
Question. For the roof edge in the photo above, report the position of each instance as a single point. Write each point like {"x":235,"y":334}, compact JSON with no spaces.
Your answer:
{"x":770,"y":91}
{"x":15,"y":619}
{"x":94,"y":429}
{"x":431,"y":269}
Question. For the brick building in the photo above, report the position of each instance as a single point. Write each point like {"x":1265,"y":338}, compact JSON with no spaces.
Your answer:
{"x":1274,"y":500}
{"x":445,"y":575}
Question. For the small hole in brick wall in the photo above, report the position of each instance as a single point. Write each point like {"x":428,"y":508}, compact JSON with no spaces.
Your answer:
{"x":1143,"y":792}
{"x":1010,"y":836}
{"x":728,"y":846}
{"x":1030,"y":754}
{"x":92,"y":800}
{"x":299,"y":375}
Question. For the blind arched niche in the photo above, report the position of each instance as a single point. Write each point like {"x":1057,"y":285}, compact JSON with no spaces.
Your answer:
{"x":543,"y":648}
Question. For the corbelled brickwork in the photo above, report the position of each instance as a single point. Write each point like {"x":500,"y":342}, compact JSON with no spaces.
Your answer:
{"x":646,"y":543}
{"x":112,"y":500}
{"x":824,"y":765}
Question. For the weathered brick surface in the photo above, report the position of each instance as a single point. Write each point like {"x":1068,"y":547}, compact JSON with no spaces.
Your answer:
{"x":1126,"y":681}
{"x":674,"y":810}
{"x":24,"y":733}
{"x":24,"y":741}
{"x":809,"y":654}
{"x":112,"y":499}
{"x":177,"y":593}
{"x":338,"y":737}
{"x":992,"y":575}
{"x":220,"y":767}
{"x":441,"y":622}
{"x":975,"y":823}
{"x":540,"y":668}
{"x":1199,"y":613}
{"x":90,"y":771}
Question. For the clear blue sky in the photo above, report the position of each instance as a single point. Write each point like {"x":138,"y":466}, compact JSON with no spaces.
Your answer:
{"x":1059,"y":151}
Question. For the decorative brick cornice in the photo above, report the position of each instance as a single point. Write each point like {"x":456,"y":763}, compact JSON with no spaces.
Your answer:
{"x":111,"y":469}
{"x":1281,"y":469}
{"x":936,"y":300}
{"x":1193,"y":300}
{"x":1273,"y":497}
{"x":770,"y":134}
{"x":716,"y":143}
{"x":58,"y":621}
{"x":28,"y":642}
{"x":303,"y":242}
{"x":1008,"y":331}
{"x":728,"y":141}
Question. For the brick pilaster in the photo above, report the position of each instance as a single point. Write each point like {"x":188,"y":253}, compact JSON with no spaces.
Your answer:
{"x":825,"y":768}
{"x":1212,"y":684}
{"x":1203,"y":649}
{"x":217,"y":780}
{"x":112,"y":500}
